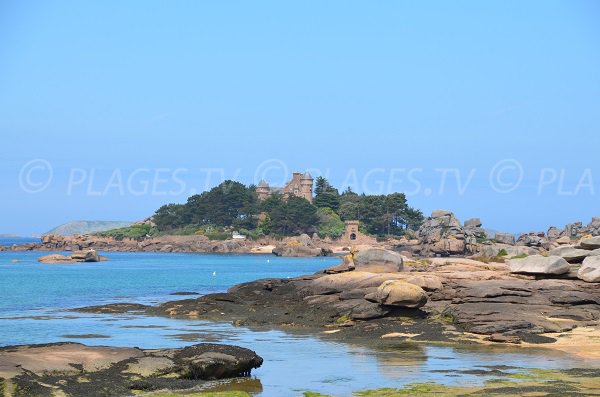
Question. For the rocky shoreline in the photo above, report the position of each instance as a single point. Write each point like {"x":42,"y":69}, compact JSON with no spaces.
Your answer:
{"x":61,"y":369}
{"x":440,"y":235}
{"x":435,"y":300}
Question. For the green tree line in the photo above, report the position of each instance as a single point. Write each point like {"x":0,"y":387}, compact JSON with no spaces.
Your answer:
{"x":232,"y":205}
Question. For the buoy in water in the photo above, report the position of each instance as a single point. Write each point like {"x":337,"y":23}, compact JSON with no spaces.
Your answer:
{"x":214,"y":274}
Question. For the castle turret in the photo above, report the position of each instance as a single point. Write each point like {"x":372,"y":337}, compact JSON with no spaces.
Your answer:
{"x":263,"y":190}
{"x":306,"y":183}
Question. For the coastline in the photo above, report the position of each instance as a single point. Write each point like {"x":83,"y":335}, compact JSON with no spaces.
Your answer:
{"x":312,"y":305}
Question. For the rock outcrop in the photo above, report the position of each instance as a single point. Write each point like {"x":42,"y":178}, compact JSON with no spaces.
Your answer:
{"x":590,"y":270}
{"x":75,"y":257}
{"x":591,"y":243}
{"x":95,"y":371}
{"x":575,"y":230}
{"x":570,"y":254}
{"x":442,"y":234}
{"x":301,"y":246}
{"x":399,"y":293}
{"x":538,"y":264}
{"x":378,"y":260}
{"x":505,"y":238}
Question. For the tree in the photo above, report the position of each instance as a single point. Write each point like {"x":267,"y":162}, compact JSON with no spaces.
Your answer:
{"x":230,"y":203}
{"x":326,"y":196}
{"x":293,"y":216}
{"x":169,"y":216}
{"x":330,"y":224}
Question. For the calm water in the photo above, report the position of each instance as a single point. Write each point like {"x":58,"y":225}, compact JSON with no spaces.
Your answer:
{"x":35,"y":296}
{"x":18,"y":240}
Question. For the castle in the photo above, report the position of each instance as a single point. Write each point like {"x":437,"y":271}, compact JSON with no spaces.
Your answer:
{"x":301,"y":185}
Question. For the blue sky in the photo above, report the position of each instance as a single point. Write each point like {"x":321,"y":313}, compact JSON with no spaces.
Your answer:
{"x":140,"y":103}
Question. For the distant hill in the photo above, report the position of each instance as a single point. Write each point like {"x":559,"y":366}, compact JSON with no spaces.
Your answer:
{"x":83,"y":227}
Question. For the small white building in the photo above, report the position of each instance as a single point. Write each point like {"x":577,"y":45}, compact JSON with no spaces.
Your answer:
{"x":237,"y":236}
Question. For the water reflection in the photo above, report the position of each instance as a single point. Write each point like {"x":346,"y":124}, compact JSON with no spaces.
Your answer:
{"x":294,"y":360}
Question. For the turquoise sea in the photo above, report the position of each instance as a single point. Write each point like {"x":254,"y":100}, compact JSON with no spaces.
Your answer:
{"x":35,"y":299}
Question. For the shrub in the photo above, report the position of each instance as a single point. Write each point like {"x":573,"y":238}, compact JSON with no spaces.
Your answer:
{"x":520,"y":256}
{"x":135,"y":232}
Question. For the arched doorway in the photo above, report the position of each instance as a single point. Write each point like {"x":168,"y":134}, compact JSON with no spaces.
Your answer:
{"x":352,"y":236}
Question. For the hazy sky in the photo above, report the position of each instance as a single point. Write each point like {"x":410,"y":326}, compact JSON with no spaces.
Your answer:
{"x":109,"y":109}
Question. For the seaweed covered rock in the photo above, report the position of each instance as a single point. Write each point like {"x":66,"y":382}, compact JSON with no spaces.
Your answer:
{"x":77,"y":370}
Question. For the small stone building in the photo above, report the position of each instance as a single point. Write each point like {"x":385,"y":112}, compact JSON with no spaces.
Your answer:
{"x":351,"y":233}
{"x":353,"y":237}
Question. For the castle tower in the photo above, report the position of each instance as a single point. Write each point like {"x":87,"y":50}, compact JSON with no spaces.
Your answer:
{"x":306,"y":186}
{"x":263,"y":190}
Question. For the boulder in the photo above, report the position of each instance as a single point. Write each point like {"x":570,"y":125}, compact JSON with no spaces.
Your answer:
{"x":570,"y":254}
{"x":563,"y":240}
{"x":573,"y":229}
{"x":72,"y":369}
{"x":441,"y":224}
{"x":532,"y":240}
{"x":449,"y":246}
{"x":537,"y":264}
{"x":399,"y":293}
{"x":590,"y":270}
{"x":440,"y":213}
{"x":595,"y":252}
{"x":491,"y":250}
{"x":505,"y":238}
{"x":85,"y":256}
{"x":297,"y":251}
{"x":357,"y":280}
{"x":473,"y":222}
{"x":553,"y":233}
{"x":378,"y":260}
{"x":56,"y":259}
{"x":590,"y":243}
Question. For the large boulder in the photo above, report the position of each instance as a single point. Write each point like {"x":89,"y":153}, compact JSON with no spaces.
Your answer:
{"x":591,"y":243}
{"x":494,"y":249}
{"x":533,"y":240}
{"x":505,"y":238}
{"x":590,"y":270}
{"x":56,"y":259}
{"x":553,"y":233}
{"x":537,"y":264}
{"x":440,"y":225}
{"x":297,"y":251}
{"x":363,"y":281}
{"x":300,"y":246}
{"x":571,"y":254}
{"x":85,"y":256}
{"x":399,"y":293}
{"x":449,"y":246}
{"x":473,"y":222}
{"x":378,"y":260}
{"x":72,"y":369}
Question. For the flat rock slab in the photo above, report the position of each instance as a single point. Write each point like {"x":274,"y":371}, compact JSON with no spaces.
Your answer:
{"x":591,"y":243}
{"x":538,"y":264}
{"x":571,"y":254}
{"x":41,"y":359}
{"x":74,"y":369}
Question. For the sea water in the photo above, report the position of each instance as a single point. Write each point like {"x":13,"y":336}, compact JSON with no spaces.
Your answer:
{"x":35,"y":298}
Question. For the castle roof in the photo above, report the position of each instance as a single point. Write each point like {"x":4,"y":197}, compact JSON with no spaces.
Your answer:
{"x":307,"y":176}
{"x":263,"y":183}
